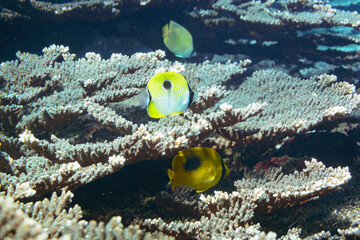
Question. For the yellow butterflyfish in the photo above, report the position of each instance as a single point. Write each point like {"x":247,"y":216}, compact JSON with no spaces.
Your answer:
{"x":178,"y":40}
{"x":199,"y":168}
{"x":166,"y":94}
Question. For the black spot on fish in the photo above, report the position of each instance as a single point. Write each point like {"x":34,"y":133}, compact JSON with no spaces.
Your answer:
{"x":167,"y":84}
{"x":192,"y":163}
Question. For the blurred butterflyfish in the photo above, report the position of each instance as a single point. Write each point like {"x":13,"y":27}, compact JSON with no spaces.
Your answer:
{"x":178,"y":40}
{"x":166,"y":94}
{"x":199,"y":168}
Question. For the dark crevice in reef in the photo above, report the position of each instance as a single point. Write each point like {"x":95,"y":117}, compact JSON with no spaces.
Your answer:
{"x":128,"y":192}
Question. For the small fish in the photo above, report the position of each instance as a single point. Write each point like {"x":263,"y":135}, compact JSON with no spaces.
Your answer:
{"x":178,"y":40}
{"x":166,"y":94}
{"x":199,"y":168}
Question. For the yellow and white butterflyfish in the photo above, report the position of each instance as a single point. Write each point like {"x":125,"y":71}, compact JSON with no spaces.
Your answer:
{"x":166,"y":94}
{"x":178,"y":40}
{"x":199,"y":168}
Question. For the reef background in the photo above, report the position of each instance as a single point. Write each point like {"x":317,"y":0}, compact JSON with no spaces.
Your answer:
{"x":278,"y":88}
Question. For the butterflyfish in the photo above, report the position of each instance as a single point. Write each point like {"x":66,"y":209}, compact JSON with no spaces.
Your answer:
{"x":199,"y":168}
{"x":166,"y":94}
{"x":178,"y":40}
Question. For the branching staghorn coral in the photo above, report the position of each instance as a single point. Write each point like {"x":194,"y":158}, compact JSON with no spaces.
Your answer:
{"x":50,"y":219}
{"x":66,"y":122}
{"x":287,"y":13}
{"x":227,"y":215}
{"x":283,"y":117}
{"x":90,"y":10}
{"x":336,"y":213}
{"x":223,"y":215}
{"x":6,"y":16}
{"x":268,"y":28}
{"x":47,"y":98}
{"x":53,"y":91}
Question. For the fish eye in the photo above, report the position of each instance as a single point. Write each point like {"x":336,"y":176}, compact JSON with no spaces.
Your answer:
{"x":167,"y":84}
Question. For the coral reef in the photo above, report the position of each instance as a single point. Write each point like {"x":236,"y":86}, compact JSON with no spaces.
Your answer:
{"x":243,"y":27}
{"x":270,"y":12}
{"x":54,"y":94}
{"x":296,"y":33}
{"x":249,"y":18}
{"x":287,"y":13}
{"x":90,"y":85}
{"x":48,"y":219}
{"x":67,"y":121}
{"x":90,"y":10}
{"x":227,"y":215}
{"x":223,"y":214}
{"x":6,"y":15}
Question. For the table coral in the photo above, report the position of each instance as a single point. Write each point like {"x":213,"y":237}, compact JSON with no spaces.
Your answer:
{"x":66,"y":122}
{"x":227,"y":215}
{"x":54,"y":93}
{"x":276,"y":13}
{"x":49,"y":219}
{"x":90,"y":10}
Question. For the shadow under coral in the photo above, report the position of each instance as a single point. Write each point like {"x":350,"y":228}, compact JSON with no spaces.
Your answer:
{"x":132,"y":193}
{"x":127,"y":193}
